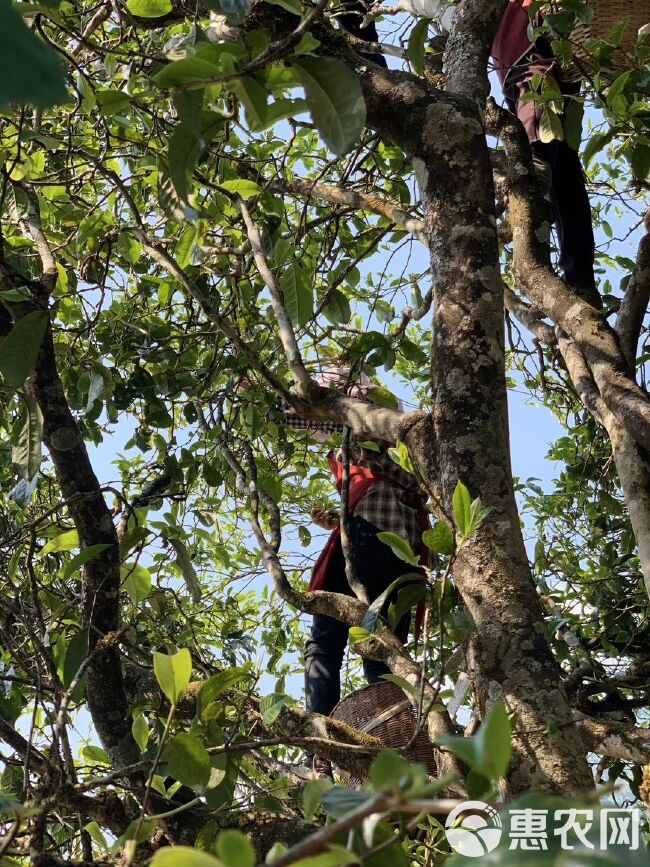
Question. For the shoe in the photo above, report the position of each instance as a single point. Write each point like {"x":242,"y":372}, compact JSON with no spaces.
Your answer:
{"x":543,"y":173}
{"x":323,"y":768}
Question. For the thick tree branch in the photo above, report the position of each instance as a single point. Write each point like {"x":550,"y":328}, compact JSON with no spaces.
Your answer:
{"x":81,"y":490}
{"x":635,"y":301}
{"x":620,"y":741}
{"x":468,"y":47}
{"x":596,"y":339}
{"x":632,"y":462}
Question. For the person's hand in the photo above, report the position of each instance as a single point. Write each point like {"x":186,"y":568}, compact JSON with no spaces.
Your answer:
{"x":324,"y":518}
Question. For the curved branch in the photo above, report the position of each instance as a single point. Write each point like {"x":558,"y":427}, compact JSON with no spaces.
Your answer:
{"x":82,"y":492}
{"x":632,"y":463}
{"x":301,"y":378}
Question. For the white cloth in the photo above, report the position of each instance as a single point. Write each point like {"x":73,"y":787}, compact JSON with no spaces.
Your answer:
{"x":439,"y":10}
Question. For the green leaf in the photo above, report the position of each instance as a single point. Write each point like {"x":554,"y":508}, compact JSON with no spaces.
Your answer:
{"x":97,"y":834}
{"x":82,"y":558}
{"x":387,"y":769}
{"x":440,"y":539}
{"x":339,"y":801}
{"x":337,"y":310}
{"x":243,"y":188}
{"x":136,"y":581}
{"x":188,"y":761}
{"x":372,"y":614}
{"x":465,"y":748}
{"x":220,"y":682}
{"x":140,"y":731}
{"x":186,"y":146}
{"x":63,"y":542}
{"x":312,"y":796}
{"x":488,"y":753}
{"x":235,"y":7}
{"x":596,"y":143}
{"x":76,"y":652}
{"x":282,"y":108}
{"x":335,"y":856}
{"x":186,"y":71}
{"x":617,"y":87}
{"x":357,"y":634}
{"x":95,"y":755}
{"x":640,"y":161}
{"x":149,"y":8}
{"x":270,"y":707}
{"x":494,"y":742}
{"x":277,"y":850}
{"x":381,"y":396}
{"x":335,"y":100}
{"x":550,"y":125}
{"x":173,"y":672}
{"x":112,"y":101}
{"x":416,"y":44}
{"x":30,"y":70}
{"x":235,"y":849}
{"x":183,"y":856}
{"x":254,"y":98}
{"x":298,"y":292}
{"x":187,"y":569}
{"x":462,"y":508}
{"x":400,"y":547}
{"x":183,"y":152}
{"x":26,"y":437}
{"x":19,"y":349}
{"x":402,"y":682}
{"x":400,"y":455}
{"x":573,"y":123}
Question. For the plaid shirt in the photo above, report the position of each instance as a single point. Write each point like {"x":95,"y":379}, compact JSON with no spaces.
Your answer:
{"x":392,"y":508}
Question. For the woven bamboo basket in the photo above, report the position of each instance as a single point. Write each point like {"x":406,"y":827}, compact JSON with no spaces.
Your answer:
{"x":383,"y":711}
{"x":607,"y":14}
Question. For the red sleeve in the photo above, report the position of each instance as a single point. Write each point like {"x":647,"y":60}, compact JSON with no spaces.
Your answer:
{"x":511,"y":41}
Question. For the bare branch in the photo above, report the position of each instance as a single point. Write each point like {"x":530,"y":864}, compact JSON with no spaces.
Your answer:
{"x":635,"y":301}
{"x":337,"y":195}
{"x":631,"y":461}
{"x":301,"y":378}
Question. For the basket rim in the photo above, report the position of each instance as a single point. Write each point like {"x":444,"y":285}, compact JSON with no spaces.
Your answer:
{"x":380,"y":684}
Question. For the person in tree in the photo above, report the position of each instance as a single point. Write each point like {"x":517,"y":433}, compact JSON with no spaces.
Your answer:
{"x":517,"y":60}
{"x":383,"y":497}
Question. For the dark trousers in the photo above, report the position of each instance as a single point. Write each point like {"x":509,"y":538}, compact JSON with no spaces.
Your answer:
{"x":351,"y":21}
{"x":376,"y":568}
{"x":568,"y":192}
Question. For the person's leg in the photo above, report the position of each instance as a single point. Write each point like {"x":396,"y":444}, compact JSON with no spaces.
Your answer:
{"x":573,"y":217}
{"x":377,"y":567}
{"x":567,"y":189}
{"x":323,"y":661}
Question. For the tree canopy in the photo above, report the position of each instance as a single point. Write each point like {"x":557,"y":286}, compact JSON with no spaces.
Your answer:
{"x":203,"y":207}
